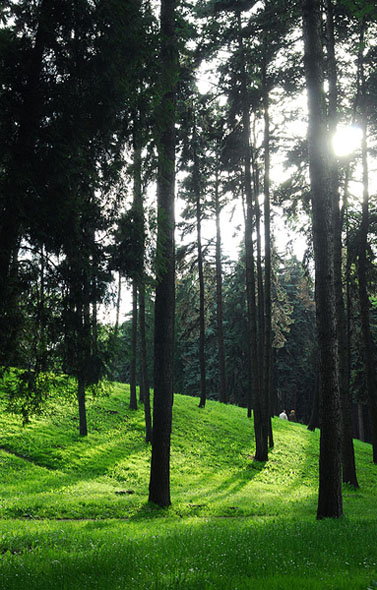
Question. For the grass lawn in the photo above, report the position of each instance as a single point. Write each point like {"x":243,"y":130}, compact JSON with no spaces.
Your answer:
{"x":74,"y":512}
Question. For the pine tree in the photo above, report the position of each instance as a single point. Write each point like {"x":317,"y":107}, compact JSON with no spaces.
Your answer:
{"x":159,"y":486}
{"x":330,"y":495}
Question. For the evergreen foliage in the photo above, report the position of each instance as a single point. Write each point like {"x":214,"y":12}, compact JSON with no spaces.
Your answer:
{"x":103,"y":101}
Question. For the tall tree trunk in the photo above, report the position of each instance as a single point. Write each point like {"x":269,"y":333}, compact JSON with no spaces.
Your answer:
{"x":260,"y":290}
{"x":141,"y":363}
{"x":139,"y":222}
{"x":266,"y":425}
{"x":260,"y":422}
{"x":159,"y":486}
{"x":250,"y":298}
{"x":267,"y":356}
{"x":219,"y":298}
{"x":119,"y":298}
{"x":144,"y":381}
{"x":137,"y":206}
{"x":144,"y":396}
{"x":348,"y":454}
{"x":330,"y":493}
{"x":202,"y":358}
{"x":41,"y":356}
{"x":81,"y":303}
{"x":360,"y":422}
{"x":202,"y":327}
{"x":83,"y":429}
{"x":368,"y":345}
{"x":133,"y":396}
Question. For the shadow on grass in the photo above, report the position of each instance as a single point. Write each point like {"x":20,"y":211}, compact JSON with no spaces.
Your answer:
{"x":209,"y":475}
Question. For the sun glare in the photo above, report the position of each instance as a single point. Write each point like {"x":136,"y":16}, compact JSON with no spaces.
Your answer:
{"x":346,"y":140}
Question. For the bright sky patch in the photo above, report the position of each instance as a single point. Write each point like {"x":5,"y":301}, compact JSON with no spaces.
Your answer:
{"x":346,"y":140}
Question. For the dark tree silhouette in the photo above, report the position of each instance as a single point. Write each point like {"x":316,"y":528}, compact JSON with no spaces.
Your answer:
{"x":159,"y":486}
{"x":330,"y":495}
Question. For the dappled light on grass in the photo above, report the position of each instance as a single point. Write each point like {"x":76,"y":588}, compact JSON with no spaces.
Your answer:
{"x":234,"y":523}
{"x":106,"y":475}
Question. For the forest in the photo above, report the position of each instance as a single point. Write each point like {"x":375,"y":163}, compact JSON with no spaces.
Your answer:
{"x":188,"y":206}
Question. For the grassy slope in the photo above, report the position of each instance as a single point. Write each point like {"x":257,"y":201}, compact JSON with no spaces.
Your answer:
{"x":272,"y":534}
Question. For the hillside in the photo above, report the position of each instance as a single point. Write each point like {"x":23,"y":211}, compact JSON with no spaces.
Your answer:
{"x":70,"y":499}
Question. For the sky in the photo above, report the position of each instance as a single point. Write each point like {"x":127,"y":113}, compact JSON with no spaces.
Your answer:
{"x":346,"y":142}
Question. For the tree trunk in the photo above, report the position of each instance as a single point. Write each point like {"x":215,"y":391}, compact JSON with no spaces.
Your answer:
{"x":267,"y":355}
{"x":360,"y":422}
{"x":260,"y":424}
{"x":144,"y":395}
{"x":119,"y":298}
{"x":202,"y":358}
{"x":219,"y":299}
{"x":144,"y":381}
{"x":330,"y":494}
{"x":368,"y":345}
{"x":202,"y":327}
{"x":348,"y":454}
{"x":41,"y":356}
{"x":83,"y":429}
{"x":260,"y":290}
{"x":133,"y":397}
{"x":159,"y":486}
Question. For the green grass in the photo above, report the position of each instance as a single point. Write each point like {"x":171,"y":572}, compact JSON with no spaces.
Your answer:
{"x":74,"y":512}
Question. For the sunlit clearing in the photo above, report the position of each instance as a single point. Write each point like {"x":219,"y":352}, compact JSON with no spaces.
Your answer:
{"x":346,"y":140}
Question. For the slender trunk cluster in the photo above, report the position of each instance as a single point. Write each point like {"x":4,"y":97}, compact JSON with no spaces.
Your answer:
{"x":138,"y":292}
{"x":255,"y":296}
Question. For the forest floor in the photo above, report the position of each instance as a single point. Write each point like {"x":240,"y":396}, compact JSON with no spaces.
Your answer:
{"x":74,"y":513}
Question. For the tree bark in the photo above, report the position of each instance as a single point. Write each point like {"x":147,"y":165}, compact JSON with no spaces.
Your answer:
{"x":202,"y":358}
{"x":119,"y":298}
{"x":368,"y":345}
{"x":202,"y":327}
{"x":260,"y":289}
{"x":41,"y":353}
{"x":360,"y":422}
{"x":137,"y":206}
{"x":219,"y":298}
{"x":83,"y":429}
{"x":267,"y":353}
{"x":159,"y":486}
{"x":330,"y":494}
{"x":133,"y":397}
{"x":348,"y":454}
{"x":144,"y":381}
{"x":260,"y":421}
{"x":144,"y":395}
